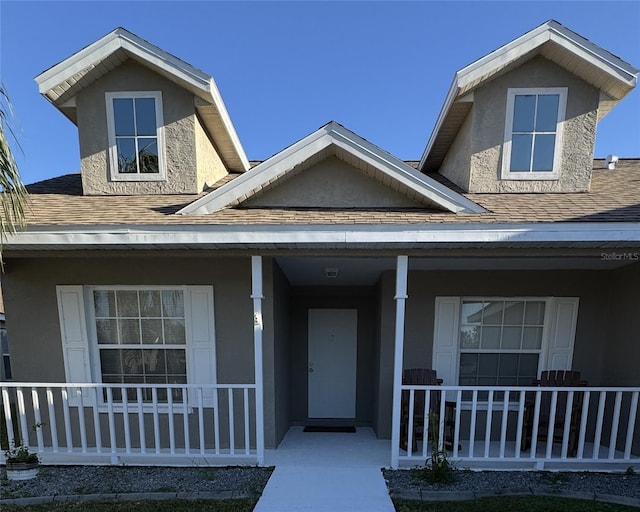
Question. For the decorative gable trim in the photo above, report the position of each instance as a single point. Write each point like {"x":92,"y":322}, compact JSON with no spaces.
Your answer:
{"x":614,"y":77}
{"x":61,"y":83}
{"x":333,"y":135}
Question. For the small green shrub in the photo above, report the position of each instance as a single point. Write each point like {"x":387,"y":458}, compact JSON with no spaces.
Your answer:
{"x":438,"y":469}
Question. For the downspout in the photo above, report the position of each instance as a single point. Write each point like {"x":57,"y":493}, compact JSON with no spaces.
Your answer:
{"x":256,"y":295}
{"x":400,"y":298}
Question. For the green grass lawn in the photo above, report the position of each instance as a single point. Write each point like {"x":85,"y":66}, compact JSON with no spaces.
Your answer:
{"x":235,"y":505}
{"x":509,"y":504}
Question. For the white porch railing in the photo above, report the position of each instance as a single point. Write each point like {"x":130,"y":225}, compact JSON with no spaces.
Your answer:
{"x":528,"y":426}
{"x":133,"y":423}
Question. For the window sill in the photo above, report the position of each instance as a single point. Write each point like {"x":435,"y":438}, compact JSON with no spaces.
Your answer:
{"x":530,"y":176}
{"x":138,"y":177}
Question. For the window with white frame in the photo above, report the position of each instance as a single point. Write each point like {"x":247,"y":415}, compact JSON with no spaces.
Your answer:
{"x":134,"y":121}
{"x":141,"y":337}
{"x":160,"y":336}
{"x":533,"y":133}
{"x":502,"y":341}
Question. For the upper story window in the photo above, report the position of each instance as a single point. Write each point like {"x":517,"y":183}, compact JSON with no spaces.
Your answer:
{"x":533,"y":133}
{"x":136,"y":142}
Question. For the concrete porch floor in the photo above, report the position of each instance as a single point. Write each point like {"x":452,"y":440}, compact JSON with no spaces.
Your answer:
{"x":327,"y":472}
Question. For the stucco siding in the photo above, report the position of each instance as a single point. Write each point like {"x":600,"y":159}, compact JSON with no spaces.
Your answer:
{"x":330,"y":183}
{"x":578,"y":133}
{"x":457,"y":164}
{"x":32,"y":311}
{"x":179,"y":134}
{"x":210,"y":167}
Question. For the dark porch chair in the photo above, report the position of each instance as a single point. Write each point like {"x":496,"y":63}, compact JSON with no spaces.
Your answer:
{"x":423,"y":377}
{"x":555,"y":378}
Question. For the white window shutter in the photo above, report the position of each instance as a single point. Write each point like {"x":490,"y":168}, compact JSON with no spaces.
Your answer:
{"x":445,"y":339}
{"x":202,"y":348}
{"x":75,"y":340}
{"x":563,"y":316}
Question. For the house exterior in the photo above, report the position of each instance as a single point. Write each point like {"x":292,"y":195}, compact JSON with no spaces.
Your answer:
{"x":174,"y":301}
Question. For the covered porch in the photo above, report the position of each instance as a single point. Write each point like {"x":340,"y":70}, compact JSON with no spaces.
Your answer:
{"x":185,"y":424}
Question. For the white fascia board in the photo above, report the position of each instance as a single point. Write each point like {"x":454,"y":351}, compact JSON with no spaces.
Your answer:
{"x":313,"y":234}
{"x":121,"y":38}
{"x":332,"y":133}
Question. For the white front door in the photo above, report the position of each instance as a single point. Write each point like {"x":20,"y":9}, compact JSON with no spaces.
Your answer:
{"x":333,"y":336}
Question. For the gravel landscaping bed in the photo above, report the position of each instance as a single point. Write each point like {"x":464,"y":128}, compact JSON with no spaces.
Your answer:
{"x":620,"y":484}
{"x":74,"y":480}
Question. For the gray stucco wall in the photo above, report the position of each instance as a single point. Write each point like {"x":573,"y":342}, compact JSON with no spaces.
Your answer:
{"x":457,"y":164}
{"x":425,"y":286}
{"x":282,"y":355}
{"x":183,"y":143}
{"x":486,"y":133}
{"x":331,"y":183}
{"x":32,"y":311}
{"x":210,"y":167}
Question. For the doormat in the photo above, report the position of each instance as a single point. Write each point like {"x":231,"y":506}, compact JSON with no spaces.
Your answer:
{"x":338,"y":429}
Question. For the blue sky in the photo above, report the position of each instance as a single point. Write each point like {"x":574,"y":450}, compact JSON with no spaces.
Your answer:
{"x":284,"y":69}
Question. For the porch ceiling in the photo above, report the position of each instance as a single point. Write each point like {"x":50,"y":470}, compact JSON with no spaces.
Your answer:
{"x":365,"y":271}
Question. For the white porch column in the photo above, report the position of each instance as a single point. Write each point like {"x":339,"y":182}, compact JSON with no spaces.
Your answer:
{"x":400,"y":298}
{"x":256,"y":295}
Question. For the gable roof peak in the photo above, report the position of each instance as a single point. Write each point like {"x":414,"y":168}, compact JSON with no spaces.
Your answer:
{"x":333,"y":139}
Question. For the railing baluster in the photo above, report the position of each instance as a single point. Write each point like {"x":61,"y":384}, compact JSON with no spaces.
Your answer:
{"x":216,"y":421}
{"x":247,"y":444}
{"x":599,"y":421}
{"x":35,"y":401}
{"x":552,"y":423}
{"x":536,"y":424}
{"x":487,"y":430}
{"x":521,"y":405}
{"x":443,"y":408}
{"x":125,"y":419}
{"x":67,"y":419}
{"x":172,"y":439}
{"x":185,"y":421}
{"x":53,"y":422}
{"x":96,"y":421}
{"x":141,"y":432}
{"x":22,"y":415}
{"x":567,"y":425}
{"x":8,"y":418}
{"x":613,"y":439}
{"x":83,"y":427}
{"x":156,"y":419}
{"x":633,"y":410}
{"x":583,"y":423}
{"x":472,"y":428}
{"x":112,"y":424}
{"x":232,"y":433}
{"x":503,"y":429}
{"x":456,"y":423}
{"x":200,"y":419}
{"x":410,"y":423}
{"x":425,"y":423}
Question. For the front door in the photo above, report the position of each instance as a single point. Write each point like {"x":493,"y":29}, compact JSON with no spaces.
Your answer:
{"x":333,"y":336}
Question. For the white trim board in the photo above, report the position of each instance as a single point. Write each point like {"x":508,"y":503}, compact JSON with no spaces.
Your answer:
{"x":332,"y":133}
{"x":567,"y":234}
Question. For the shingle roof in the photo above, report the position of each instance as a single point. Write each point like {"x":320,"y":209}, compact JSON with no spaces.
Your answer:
{"x":614,"y":197}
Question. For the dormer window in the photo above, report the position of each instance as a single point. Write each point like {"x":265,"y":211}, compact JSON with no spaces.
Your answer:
{"x":136,"y":144}
{"x":533,"y":133}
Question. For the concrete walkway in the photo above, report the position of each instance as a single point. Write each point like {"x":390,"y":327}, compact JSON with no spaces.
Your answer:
{"x":327,"y":472}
